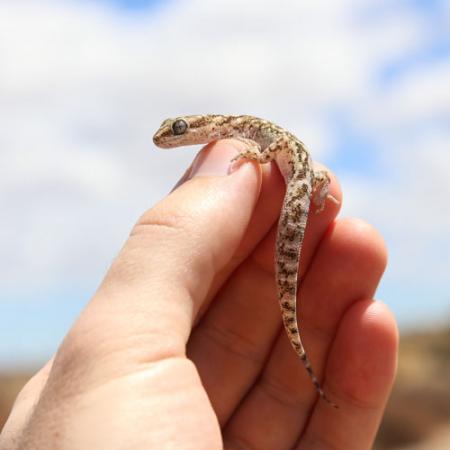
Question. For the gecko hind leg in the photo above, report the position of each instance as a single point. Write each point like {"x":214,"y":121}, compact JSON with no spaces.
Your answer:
{"x":320,"y":194}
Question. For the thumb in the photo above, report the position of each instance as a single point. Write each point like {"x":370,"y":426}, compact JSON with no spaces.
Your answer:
{"x":154,"y":289}
{"x":103,"y":383}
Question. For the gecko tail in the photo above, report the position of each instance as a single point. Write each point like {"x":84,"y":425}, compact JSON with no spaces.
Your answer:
{"x":290,"y":324}
{"x":314,"y":379}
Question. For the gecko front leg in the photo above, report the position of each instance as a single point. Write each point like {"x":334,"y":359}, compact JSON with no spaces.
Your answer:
{"x":254,"y":152}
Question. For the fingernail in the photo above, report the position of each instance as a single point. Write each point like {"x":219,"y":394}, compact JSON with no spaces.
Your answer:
{"x":214,"y":160}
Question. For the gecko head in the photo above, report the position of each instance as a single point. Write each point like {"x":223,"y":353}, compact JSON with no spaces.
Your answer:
{"x":170,"y":132}
{"x":181,"y":131}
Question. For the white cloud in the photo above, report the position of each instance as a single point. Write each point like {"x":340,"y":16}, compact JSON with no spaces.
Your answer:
{"x":82,"y":89}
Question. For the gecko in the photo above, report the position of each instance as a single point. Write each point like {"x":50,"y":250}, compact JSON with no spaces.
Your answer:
{"x":267,"y":142}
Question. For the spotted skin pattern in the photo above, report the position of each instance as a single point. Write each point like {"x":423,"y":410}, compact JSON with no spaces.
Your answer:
{"x":267,"y":142}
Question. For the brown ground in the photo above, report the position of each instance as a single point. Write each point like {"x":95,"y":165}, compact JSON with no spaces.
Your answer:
{"x":418,"y":414}
{"x":10,"y":385}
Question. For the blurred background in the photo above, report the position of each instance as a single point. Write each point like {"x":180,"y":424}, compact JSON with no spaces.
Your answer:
{"x":84,"y":85}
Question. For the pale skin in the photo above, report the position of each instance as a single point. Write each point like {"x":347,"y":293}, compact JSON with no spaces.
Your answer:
{"x":182,"y":345}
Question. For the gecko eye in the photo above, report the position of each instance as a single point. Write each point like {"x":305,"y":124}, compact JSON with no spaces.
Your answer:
{"x":179,"y":127}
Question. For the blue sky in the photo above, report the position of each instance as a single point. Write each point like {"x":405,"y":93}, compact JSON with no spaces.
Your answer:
{"x":83,"y":88}
{"x":135,"y":5}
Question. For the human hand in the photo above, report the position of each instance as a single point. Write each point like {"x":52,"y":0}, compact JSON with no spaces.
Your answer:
{"x":182,"y":346}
